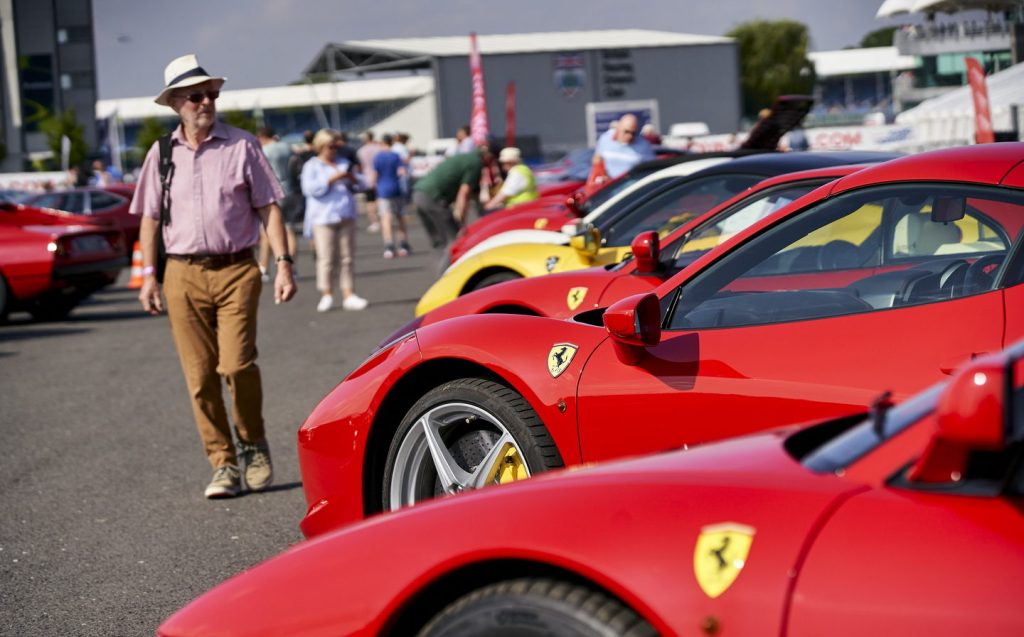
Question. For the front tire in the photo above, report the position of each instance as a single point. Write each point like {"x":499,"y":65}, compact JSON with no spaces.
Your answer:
{"x":534,"y":607}
{"x":465,"y":434}
{"x":495,"y":279}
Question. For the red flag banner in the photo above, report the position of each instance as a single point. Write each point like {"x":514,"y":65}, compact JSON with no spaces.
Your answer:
{"x":478,"y":127}
{"x":510,"y":114}
{"x":983,"y":133}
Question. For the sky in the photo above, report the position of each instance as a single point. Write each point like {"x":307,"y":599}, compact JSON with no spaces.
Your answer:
{"x":261,"y":43}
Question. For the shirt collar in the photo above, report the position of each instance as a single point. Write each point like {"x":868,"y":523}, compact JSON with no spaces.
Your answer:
{"x":217,"y":131}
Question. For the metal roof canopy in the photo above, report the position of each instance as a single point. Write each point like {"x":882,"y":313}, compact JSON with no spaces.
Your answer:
{"x":857,"y":61}
{"x":897,"y":7}
{"x":416,"y":53}
{"x":282,"y":97}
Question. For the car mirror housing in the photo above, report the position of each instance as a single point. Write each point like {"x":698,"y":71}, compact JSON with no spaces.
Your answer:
{"x":634,"y":324}
{"x":972,"y":414}
{"x":646,"y":248}
{"x":574,"y":203}
{"x":587,"y":242}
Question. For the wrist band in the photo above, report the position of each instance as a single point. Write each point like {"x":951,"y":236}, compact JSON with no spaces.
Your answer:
{"x":148,"y":270}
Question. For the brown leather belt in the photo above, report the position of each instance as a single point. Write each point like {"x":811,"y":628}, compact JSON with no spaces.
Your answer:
{"x":214,"y":261}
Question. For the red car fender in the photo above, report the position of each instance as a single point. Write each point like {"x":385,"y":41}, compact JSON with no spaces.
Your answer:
{"x":336,"y":441}
{"x":332,"y":440}
{"x":485,"y":340}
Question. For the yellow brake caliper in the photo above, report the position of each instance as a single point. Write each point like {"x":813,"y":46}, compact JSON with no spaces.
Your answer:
{"x":510,"y":467}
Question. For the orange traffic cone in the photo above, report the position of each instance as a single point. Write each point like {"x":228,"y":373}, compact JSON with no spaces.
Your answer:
{"x":135,"y":282}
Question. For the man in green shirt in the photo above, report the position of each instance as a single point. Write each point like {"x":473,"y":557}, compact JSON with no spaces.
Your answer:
{"x":455,"y":181}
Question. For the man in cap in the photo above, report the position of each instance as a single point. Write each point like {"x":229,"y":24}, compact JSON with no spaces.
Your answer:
{"x":519,"y":186}
{"x":221,"y":190}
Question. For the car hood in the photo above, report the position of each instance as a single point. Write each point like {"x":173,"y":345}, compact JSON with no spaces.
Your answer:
{"x":514,"y":236}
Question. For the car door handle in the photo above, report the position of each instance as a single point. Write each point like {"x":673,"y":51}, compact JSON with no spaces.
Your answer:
{"x":951,"y":365}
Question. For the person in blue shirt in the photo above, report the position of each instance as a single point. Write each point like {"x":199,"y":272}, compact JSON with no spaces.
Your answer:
{"x":623,"y":150}
{"x":390,"y":168}
{"x":329,"y":183}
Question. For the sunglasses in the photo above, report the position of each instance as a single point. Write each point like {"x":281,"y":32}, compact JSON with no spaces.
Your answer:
{"x":197,"y":98}
{"x":628,"y":132}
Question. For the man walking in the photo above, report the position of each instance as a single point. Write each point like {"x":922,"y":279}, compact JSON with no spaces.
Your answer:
{"x":221,"y":190}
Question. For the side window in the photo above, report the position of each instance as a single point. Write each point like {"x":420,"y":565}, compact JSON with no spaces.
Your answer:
{"x":52,"y":200}
{"x":675,"y":206}
{"x":916,"y":235}
{"x":103,"y":201}
{"x":75,"y":202}
{"x":872,"y":250}
{"x":737,"y":218}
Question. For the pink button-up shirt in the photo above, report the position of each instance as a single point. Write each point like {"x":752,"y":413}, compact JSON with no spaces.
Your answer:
{"x":215,"y":191}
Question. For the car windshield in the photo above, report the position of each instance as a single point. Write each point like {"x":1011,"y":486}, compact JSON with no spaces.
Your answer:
{"x":715,"y":231}
{"x":598,"y":199}
{"x":674,"y":206}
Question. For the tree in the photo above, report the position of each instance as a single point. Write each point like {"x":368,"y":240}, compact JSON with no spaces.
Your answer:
{"x":773,"y":61}
{"x":150,"y":131}
{"x":878,"y":37}
{"x":56,"y":127}
{"x":238,"y":119}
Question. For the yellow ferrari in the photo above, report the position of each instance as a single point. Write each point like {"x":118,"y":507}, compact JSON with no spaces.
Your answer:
{"x":519,"y":260}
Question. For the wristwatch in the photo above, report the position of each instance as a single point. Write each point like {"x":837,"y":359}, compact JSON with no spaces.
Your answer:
{"x":285,"y":257}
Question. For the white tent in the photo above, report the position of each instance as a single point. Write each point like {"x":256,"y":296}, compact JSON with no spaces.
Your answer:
{"x":895,"y":7}
{"x":948,"y":120}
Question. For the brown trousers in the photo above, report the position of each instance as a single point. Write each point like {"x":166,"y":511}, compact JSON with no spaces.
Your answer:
{"x":213,"y":319}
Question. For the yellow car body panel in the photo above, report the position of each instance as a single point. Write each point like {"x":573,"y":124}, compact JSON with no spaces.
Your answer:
{"x":522,"y":259}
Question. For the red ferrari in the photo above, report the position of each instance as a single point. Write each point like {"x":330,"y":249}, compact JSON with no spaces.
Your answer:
{"x":103,"y":206}
{"x":903,"y":521}
{"x":885,"y":279}
{"x":653,"y":261}
{"x":50,"y":262}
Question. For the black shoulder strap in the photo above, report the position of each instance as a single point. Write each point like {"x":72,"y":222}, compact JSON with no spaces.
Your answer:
{"x":166,"y":174}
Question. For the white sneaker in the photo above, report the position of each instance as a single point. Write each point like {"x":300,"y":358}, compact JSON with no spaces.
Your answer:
{"x":373,"y":227}
{"x":355,"y":303}
{"x":326,"y":303}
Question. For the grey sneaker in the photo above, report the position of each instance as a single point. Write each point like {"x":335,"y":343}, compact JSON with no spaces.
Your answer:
{"x":226,"y":482}
{"x":259,"y":473}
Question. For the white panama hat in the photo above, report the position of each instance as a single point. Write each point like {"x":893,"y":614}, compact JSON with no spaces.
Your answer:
{"x":510,"y":153}
{"x":184,"y":71}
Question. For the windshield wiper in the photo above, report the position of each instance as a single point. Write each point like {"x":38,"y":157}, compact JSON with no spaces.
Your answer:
{"x":880,"y":406}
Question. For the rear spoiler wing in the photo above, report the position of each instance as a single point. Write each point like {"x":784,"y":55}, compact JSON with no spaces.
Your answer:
{"x":785,"y":114}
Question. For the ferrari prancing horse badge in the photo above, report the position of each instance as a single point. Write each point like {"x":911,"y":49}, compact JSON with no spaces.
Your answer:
{"x":559,"y":358}
{"x":575,"y":297}
{"x":720,"y":554}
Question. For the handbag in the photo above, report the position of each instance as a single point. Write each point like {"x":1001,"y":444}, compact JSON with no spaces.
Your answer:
{"x":166,"y":174}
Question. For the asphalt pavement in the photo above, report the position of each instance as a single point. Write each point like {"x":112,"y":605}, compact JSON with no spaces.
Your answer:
{"x":103,"y":526}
